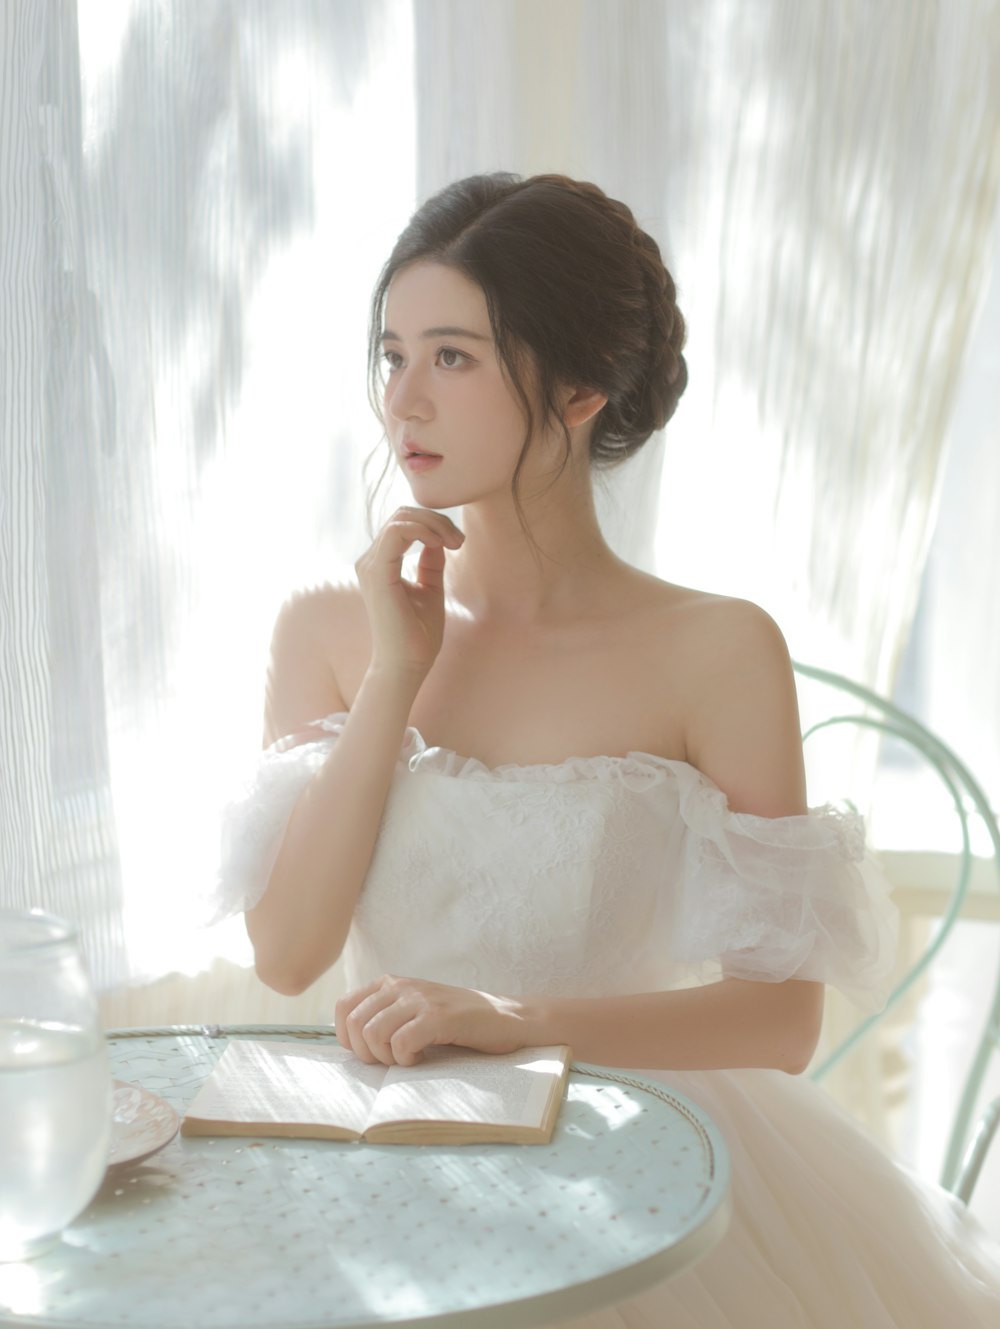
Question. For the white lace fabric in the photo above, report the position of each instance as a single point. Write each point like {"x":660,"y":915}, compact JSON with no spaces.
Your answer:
{"x":595,"y":875}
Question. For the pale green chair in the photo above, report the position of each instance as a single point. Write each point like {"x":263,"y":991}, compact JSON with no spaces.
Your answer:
{"x":968,"y":1143}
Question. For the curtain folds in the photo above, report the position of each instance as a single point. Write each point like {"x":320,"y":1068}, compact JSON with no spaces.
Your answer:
{"x":830,"y":176}
{"x":191,"y":230}
{"x":58,"y":841}
{"x":25,"y":800}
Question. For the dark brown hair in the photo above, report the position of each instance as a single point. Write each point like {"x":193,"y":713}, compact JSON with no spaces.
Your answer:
{"x":570,"y":277}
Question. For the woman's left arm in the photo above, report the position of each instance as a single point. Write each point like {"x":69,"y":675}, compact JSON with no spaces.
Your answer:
{"x":726,"y":1024}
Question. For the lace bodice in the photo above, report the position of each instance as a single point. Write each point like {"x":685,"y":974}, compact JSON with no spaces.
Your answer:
{"x":592,"y":876}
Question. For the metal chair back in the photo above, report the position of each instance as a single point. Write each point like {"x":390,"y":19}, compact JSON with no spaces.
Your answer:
{"x":967,"y":1146}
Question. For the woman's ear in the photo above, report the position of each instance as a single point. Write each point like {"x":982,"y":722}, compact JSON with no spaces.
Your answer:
{"x":581,"y":404}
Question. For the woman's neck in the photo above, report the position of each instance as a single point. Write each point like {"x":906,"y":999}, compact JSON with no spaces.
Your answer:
{"x":500,"y":576}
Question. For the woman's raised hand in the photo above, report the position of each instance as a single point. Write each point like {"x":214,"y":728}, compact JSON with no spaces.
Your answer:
{"x":407,"y":617}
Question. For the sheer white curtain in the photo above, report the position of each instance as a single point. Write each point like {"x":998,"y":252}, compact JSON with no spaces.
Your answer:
{"x":196,"y":202}
{"x":829,"y":172}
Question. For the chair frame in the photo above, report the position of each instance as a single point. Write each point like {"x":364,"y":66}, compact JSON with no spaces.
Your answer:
{"x":963,"y":1157}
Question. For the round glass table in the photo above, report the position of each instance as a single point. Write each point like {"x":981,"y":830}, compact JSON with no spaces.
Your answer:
{"x":237,"y":1233}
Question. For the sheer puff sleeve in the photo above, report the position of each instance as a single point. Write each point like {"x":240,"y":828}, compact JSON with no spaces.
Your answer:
{"x":252,"y":823}
{"x":787,"y":897}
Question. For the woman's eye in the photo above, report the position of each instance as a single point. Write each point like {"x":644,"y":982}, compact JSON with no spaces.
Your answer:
{"x":446,"y":351}
{"x":448,"y":356}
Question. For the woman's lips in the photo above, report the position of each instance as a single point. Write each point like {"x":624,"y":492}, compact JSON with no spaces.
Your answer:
{"x":415,"y":460}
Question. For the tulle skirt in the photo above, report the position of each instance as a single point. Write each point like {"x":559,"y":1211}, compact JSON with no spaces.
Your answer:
{"x":827,"y":1230}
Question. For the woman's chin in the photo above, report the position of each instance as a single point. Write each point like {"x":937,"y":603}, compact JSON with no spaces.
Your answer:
{"x":437,"y":497}
{"x":438,"y":494}
{"x":441,"y":492}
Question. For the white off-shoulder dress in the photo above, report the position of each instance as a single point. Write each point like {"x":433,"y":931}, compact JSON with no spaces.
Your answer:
{"x":608,"y":875}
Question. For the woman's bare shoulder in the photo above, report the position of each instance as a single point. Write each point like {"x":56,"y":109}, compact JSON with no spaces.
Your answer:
{"x":701,"y":620}
{"x":319,"y":633}
{"x":732,"y":674}
{"x":714,"y":642}
{"x":322,"y":613}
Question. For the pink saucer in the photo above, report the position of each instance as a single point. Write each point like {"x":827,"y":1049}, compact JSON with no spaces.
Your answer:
{"x":141,"y":1123}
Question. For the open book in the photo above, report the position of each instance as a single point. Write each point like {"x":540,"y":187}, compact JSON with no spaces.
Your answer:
{"x":323,"y":1091}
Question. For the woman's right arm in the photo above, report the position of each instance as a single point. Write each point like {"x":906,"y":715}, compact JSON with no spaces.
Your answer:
{"x":299,"y":926}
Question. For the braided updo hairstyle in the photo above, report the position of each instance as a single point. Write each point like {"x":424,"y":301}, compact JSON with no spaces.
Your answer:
{"x":570,"y":277}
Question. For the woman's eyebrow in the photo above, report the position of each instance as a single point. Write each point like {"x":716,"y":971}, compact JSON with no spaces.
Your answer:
{"x":437,"y":332}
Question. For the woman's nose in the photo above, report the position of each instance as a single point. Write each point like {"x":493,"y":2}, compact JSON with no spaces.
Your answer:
{"x":409,"y":395}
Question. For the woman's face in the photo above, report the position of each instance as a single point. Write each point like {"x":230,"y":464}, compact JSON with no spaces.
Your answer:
{"x":454,"y":423}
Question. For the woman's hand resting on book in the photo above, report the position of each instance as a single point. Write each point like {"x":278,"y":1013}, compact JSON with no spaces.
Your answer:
{"x":394,"y":1019}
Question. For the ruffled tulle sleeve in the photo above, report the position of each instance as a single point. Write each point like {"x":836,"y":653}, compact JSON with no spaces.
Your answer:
{"x":776,"y":898}
{"x":253,"y":822}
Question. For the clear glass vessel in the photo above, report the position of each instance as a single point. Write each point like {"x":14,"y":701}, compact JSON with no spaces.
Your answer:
{"x":55,"y":1084}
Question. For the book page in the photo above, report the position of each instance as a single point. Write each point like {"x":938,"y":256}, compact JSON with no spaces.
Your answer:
{"x":272,"y":1083}
{"x":454,"y":1084}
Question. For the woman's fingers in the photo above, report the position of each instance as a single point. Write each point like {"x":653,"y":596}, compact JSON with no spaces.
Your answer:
{"x":419,"y":520}
{"x":430,"y":568}
{"x":392,"y":542}
{"x":367,"y":1020}
{"x":385,"y":1031}
{"x":408,"y":1041}
{"x":407,"y":526}
{"x":435,"y":521}
{"x":407,"y":617}
{"x":394,"y":1020}
{"x":370,"y":1021}
{"x":345,"y":1007}
{"x":399,"y":534}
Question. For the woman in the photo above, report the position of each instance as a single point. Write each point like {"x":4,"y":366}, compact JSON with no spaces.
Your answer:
{"x":546,"y":787}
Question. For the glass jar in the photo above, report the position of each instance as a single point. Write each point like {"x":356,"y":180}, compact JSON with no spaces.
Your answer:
{"x":55,"y":1084}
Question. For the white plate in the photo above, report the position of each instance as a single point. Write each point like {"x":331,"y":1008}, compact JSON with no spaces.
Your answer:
{"x":141,"y":1123}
